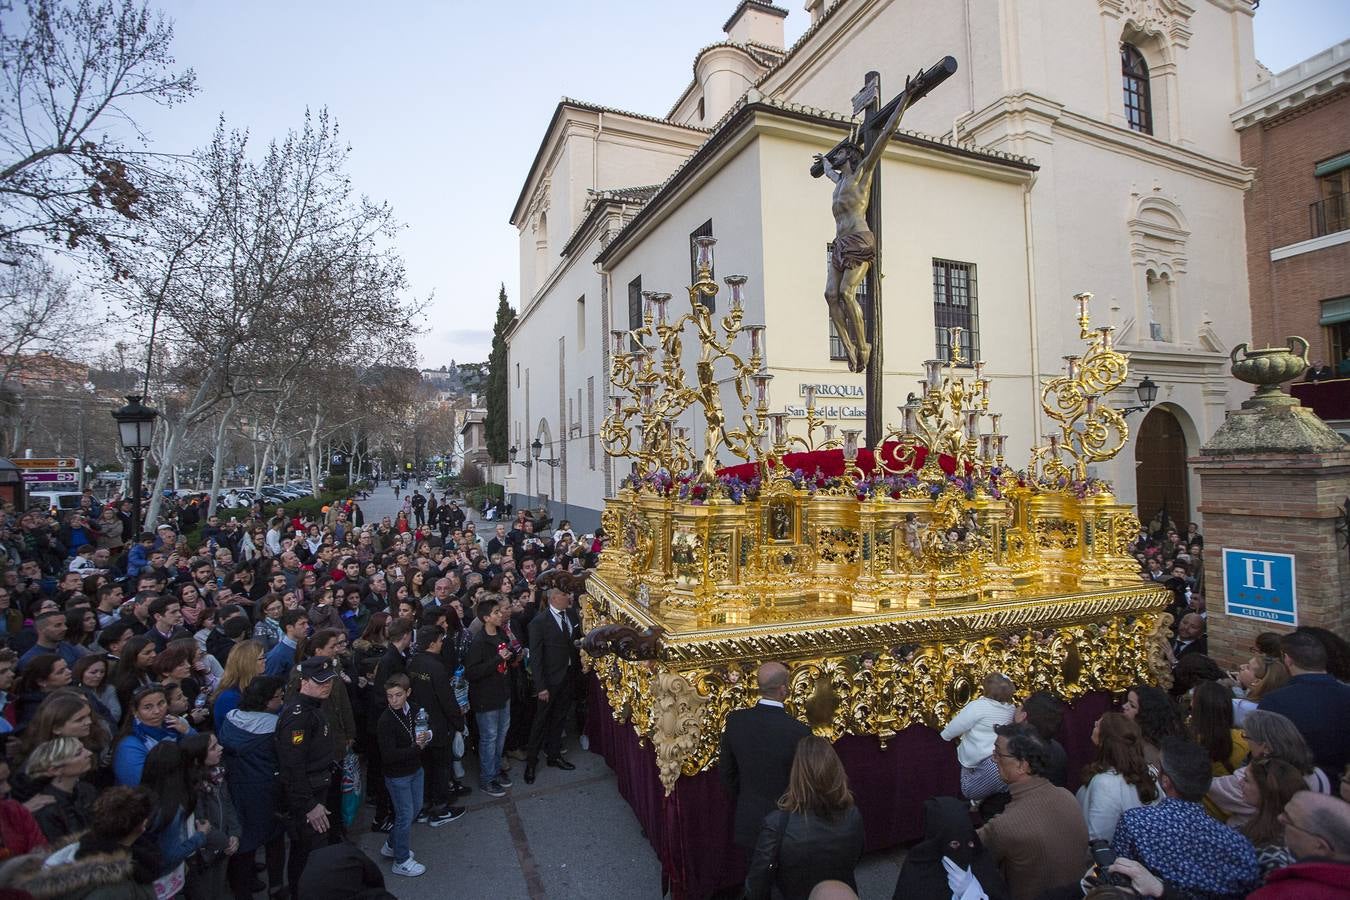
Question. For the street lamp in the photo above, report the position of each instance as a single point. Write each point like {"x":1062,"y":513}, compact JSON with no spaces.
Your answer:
{"x":136,"y":426}
{"x":537,"y":448}
{"x":1147,"y":391}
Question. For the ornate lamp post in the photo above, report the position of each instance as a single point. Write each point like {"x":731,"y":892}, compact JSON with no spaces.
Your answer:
{"x":136,"y":426}
{"x":1147,"y":391}
{"x":537,"y":450}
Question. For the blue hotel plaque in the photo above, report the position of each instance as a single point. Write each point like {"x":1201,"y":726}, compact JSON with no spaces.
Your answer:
{"x":1259,"y":586}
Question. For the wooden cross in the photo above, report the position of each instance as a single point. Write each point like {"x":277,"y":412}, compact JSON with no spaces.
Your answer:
{"x":877,"y":125}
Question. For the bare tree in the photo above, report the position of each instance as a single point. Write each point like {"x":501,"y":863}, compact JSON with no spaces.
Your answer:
{"x":68,"y":72}
{"x":39,"y":312}
{"x":284,"y":271}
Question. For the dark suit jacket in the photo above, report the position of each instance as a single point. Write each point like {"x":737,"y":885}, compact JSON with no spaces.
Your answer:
{"x":551,"y":649}
{"x":1199,"y":645}
{"x":1319,"y":706}
{"x":758,"y":745}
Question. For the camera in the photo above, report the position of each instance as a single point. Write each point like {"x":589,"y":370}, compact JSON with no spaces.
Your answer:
{"x":1102,"y":858}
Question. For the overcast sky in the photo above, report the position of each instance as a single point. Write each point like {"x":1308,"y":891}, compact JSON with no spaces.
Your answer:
{"x":444,"y":104}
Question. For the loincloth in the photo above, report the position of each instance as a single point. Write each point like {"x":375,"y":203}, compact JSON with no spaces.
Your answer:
{"x":853,"y":250}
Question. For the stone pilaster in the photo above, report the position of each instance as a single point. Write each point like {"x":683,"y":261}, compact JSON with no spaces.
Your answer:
{"x":1275,"y":479}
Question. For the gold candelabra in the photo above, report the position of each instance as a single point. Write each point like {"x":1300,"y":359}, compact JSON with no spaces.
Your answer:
{"x":1090,"y":430}
{"x":649,"y":394}
{"x":945,"y":418}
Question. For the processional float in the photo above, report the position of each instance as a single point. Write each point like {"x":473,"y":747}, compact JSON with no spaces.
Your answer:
{"x":889,"y":579}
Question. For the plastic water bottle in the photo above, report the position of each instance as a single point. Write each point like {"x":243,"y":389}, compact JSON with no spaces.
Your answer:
{"x":423,"y":725}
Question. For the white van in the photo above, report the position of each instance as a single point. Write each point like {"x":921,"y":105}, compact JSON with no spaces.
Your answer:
{"x":62,"y":500}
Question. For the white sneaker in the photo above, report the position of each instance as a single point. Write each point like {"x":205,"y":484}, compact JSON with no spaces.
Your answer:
{"x":410,"y":867}
{"x":386,"y":851}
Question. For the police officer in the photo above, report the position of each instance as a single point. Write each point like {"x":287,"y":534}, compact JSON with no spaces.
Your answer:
{"x":307,"y":758}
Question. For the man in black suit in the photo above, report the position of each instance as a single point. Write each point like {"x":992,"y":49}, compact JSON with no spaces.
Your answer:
{"x":553,"y":654}
{"x":758,"y":745}
{"x":1190,"y":636}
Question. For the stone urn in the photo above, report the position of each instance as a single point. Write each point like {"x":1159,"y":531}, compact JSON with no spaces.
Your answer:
{"x":1268,"y":369}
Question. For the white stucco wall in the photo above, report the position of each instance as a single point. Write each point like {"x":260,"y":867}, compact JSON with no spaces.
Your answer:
{"x":1039,"y":78}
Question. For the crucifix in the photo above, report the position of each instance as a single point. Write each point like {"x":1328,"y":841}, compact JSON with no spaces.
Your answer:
{"x":855,"y":254}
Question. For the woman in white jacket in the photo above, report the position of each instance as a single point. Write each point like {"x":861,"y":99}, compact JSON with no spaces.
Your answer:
{"x":1120,"y":778}
{"x":974,"y":725}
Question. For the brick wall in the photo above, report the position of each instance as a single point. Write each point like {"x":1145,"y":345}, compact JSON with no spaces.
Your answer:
{"x":1276,"y":504}
{"x":1283,"y":150}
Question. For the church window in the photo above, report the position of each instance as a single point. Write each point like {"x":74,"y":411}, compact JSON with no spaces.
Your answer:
{"x":581,"y":322}
{"x":1134,"y":77}
{"x":635,"y":307}
{"x":955,"y":306}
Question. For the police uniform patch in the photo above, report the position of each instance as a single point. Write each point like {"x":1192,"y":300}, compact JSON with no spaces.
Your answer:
{"x":297,"y":737}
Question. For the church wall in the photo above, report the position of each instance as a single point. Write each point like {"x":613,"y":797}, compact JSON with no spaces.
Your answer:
{"x":1082,"y":206}
{"x":731,"y":197}
{"x":597,"y":151}
{"x":557,"y":351}
{"x":928,"y":212}
{"x":895,"y":38}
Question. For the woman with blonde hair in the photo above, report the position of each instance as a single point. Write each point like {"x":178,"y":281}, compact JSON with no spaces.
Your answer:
{"x":62,"y":763}
{"x":246,"y":662}
{"x":815,"y":835}
{"x":1255,"y":679}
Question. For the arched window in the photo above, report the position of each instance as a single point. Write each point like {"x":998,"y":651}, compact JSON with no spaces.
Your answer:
{"x":1134,"y":76}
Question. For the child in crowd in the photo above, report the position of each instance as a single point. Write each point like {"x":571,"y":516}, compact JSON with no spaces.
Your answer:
{"x":401,"y":742}
{"x":974,"y":725}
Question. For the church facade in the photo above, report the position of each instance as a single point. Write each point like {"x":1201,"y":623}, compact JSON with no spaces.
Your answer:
{"x":1082,"y":145}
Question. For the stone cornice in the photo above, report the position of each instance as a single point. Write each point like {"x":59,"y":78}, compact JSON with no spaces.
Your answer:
{"x":1060,"y":119}
{"x":1315,"y":77}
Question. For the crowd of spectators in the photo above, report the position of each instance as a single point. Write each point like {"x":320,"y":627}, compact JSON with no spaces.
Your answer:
{"x":200,"y":709}
{"x":1180,"y":799}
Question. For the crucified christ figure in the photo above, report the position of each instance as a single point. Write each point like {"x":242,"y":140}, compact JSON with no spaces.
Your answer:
{"x":855,"y":247}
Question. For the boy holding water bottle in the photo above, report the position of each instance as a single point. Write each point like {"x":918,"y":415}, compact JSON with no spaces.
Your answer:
{"x":402,"y":732}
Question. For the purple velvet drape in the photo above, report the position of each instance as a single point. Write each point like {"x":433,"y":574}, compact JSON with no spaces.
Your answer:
{"x":691,"y":829}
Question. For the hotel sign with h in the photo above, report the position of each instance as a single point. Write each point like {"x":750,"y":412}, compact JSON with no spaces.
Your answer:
{"x":1260,"y":586}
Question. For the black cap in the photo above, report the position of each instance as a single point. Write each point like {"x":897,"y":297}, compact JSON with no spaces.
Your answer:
{"x":318,"y":668}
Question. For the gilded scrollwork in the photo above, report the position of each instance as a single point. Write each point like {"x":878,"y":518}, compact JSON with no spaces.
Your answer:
{"x":879,"y":690}
{"x":1056,"y":534}
{"x":677,"y":731}
{"x":838,"y":545}
{"x":889,"y":593}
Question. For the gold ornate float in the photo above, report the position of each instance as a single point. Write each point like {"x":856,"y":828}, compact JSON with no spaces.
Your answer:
{"x":889,"y":579}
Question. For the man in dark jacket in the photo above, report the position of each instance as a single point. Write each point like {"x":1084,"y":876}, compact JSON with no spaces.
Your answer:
{"x":757,"y":749}
{"x":553,"y":654}
{"x":431,"y":691}
{"x":1317,"y":704}
{"x":486,"y":668}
